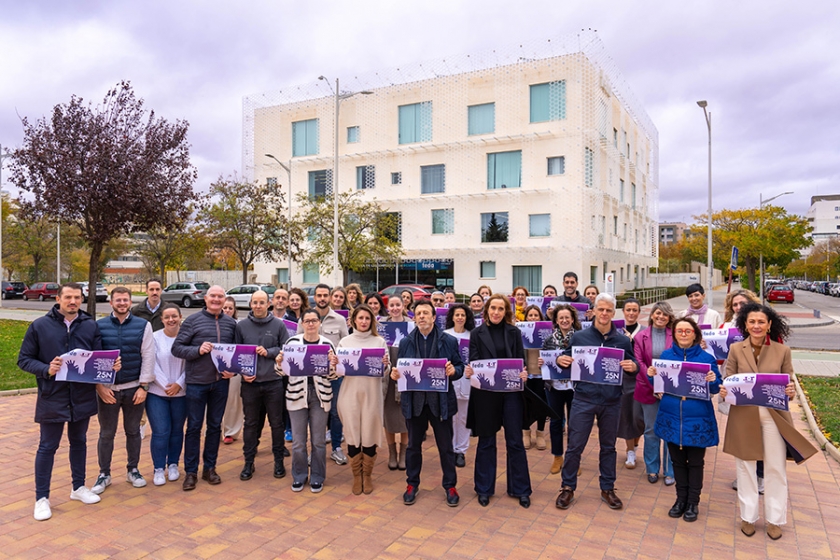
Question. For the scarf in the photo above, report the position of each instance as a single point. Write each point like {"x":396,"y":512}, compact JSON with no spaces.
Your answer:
{"x":701,"y":313}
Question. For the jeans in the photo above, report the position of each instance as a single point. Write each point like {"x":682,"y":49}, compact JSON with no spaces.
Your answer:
{"x":653,"y":444}
{"x":688,"y":472}
{"x":442,"y":428}
{"x":315,"y":418}
{"x":580,"y":426}
{"x":561,"y":402}
{"x":461,"y":434}
{"x":167,"y":416}
{"x":210,"y":397}
{"x":109,"y":416}
{"x":45,"y":456}
{"x":518,"y":478}
{"x":259,"y":400}
{"x":336,"y":429}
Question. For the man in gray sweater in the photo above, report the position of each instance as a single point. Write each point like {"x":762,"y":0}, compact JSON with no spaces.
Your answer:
{"x":265,"y":392}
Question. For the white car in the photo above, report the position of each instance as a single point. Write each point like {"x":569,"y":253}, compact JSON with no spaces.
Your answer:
{"x":101,"y":292}
{"x":242,"y":294}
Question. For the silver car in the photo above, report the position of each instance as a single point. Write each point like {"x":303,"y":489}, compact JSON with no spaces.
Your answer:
{"x":101,"y":292}
{"x":242,"y":294}
{"x":185,"y":294}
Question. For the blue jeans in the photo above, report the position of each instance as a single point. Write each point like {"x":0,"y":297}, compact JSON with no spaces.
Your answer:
{"x":653,"y":444}
{"x":580,"y":426}
{"x":336,"y":429}
{"x":211,"y":397}
{"x":45,"y":456}
{"x":166,"y":416}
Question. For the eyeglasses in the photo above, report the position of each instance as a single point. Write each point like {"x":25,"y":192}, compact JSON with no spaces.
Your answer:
{"x":310,"y":321}
{"x":684,"y":331}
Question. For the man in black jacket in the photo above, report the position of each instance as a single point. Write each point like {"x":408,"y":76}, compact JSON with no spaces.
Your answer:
{"x":570,"y":293}
{"x":421,"y":408}
{"x":207,"y":389}
{"x":265,"y":392}
{"x":593,"y":400}
{"x":65,"y":327}
{"x":151,"y":308}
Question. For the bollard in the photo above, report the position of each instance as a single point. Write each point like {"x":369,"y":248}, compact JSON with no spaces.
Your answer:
{"x":817,"y":313}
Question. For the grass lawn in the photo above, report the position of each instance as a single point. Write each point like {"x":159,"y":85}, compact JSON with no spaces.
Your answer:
{"x":11,"y":335}
{"x":823,"y":395}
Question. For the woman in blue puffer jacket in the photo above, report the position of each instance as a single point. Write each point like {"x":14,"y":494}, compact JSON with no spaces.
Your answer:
{"x":688,"y":425}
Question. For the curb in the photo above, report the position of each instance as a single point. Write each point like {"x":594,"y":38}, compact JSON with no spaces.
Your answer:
{"x":812,"y":424}
{"x":808,"y":325}
{"x":16,"y":392}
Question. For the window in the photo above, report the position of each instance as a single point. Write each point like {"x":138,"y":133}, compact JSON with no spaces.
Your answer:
{"x":615,"y":137}
{"x":443,"y":221}
{"x":504,"y":170}
{"x":481,"y":119}
{"x":528,"y":276}
{"x":312,"y":233}
{"x":396,"y":178}
{"x":415,"y":122}
{"x":494,"y":227}
{"x":311,"y":274}
{"x":305,"y":138}
{"x":352,"y":134}
{"x":625,"y":231}
{"x":487,"y":269}
{"x":588,"y":166}
{"x":633,"y":195}
{"x":593,"y":274}
{"x":432,"y":179}
{"x":548,"y":101}
{"x":365,"y":177}
{"x":390,"y":226}
{"x":271,"y":181}
{"x":615,"y":225}
{"x":282,"y":275}
{"x":621,"y":190}
{"x":539,"y":225}
{"x":556,"y":165}
{"x":320,"y":183}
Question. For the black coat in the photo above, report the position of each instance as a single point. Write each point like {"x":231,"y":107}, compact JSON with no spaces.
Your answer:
{"x":46,"y":338}
{"x":484,"y":414}
{"x":447,"y":347}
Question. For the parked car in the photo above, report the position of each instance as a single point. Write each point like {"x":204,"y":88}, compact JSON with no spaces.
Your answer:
{"x":185,"y":294}
{"x":420,"y":291}
{"x":780,"y":292}
{"x":41,"y":291}
{"x":11,"y":290}
{"x":101,"y":292}
{"x":242,"y":294}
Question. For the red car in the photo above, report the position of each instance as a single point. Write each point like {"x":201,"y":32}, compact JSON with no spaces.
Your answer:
{"x":41,"y":291}
{"x":420,"y":291}
{"x":780,"y":293}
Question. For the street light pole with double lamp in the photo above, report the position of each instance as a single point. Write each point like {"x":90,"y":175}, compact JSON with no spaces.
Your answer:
{"x":288,"y":170}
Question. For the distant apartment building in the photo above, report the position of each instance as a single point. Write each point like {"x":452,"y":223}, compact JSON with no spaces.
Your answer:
{"x":824,"y":216}
{"x":507,"y":168}
{"x":673,"y":232}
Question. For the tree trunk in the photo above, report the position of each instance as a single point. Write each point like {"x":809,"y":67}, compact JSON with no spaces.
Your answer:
{"x":245,"y":266}
{"x":36,"y":268}
{"x":95,"y":255}
{"x":750,"y":264}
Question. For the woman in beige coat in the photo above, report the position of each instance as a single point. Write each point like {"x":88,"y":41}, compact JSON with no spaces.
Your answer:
{"x":360,"y":401}
{"x":756,"y":433}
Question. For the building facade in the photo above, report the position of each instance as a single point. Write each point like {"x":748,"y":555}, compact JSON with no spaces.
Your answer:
{"x":672,"y":232}
{"x":824,"y":217}
{"x":504,"y":169}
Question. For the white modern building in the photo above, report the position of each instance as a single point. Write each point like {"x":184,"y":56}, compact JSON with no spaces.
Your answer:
{"x":824,"y":217}
{"x":506,"y":168}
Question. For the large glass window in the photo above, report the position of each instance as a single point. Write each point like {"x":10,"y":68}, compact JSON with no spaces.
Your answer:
{"x":415,"y":122}
{"x":311,"y":273}
{"x":365,"y":177}
{"x":320,"y":183}
{"x":432,"y":179}
{"x":390,"y":225}
{"x":556,"y":165}
{"x":481,"y":119}
{"x":494,"y":227}
{"x":305,"y":138}
{"x":443,"y":221}
{"x":539,"y":225}
{"x":548,"y":101}
{"x":528,"y":276}
{"x":504,"y":170}
{"x":487,"y":269}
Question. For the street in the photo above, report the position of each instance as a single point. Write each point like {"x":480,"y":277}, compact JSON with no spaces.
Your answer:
{"x":815,"y":338}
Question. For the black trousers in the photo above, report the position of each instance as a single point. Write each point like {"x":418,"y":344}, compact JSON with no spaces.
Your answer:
{"x":688,"y":471}
{"x":417,"y":426}
{"x":259,"y":400}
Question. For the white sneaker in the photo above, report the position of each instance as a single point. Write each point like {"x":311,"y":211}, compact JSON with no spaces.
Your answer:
{"x":159,"y":478}
{"x":42,"y":509}
{"x":135,"y":478}
{"x":630,"y":463}
{"x":338,"y":456}
{"x":173,"y":472}
{"x":142,"y":431}
{"x":102,"y":482}
{"x":84,"y":495}
{"x":760,"y":485}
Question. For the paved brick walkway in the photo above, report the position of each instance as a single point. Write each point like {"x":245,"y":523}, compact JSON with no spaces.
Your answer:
{"x":263,"y":518}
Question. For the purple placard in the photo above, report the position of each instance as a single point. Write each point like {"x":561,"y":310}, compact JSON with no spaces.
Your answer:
{"x":291,"y":326}
{"x":597,"y":364}
{"x":681,"y":379}
{"x":501,"y":375}
{"x":550,"y":369}
{"x":581,"y":309}
{"x":343,"y":312}
{"x":422,"y":375}
{"x":395,"y":331}
{"x":302,"y":360}
{"x":364,"y":362}
{"x":88,"y":366}
{"x":544,"y":303}
{"x":534,"y":333}
{"x":619,"y":324}
{"x":440,"y":317}
{"x":757,"y":389}
{"x":240,"y":359}
{"x":479,"y":320}
{"x":718,"y":341}
{"x":464,"y":349}
{"x":705,"y":327}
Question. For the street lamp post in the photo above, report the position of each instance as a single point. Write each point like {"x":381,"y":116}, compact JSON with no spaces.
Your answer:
{"x":339,"y":97}
{"x":2,"y":157}
{"x":288,"y":170}
{"x":761,"y":203}
{"x":709,"y":268}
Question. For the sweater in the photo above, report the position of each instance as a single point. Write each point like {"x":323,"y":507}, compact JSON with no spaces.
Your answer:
{"x":268,"y":332}
{"x":168,"y":368}
{"x":298,"y":387}
{"x":462,"y":386}
{"x":195,"y":330}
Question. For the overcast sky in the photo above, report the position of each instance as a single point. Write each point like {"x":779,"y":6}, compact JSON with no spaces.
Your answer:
{"x":769,"y":70}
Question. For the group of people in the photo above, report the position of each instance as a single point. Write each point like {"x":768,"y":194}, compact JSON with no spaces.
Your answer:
{"x":165,"y":369}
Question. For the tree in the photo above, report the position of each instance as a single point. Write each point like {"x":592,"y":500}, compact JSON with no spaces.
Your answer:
{"x":367,"y":232}
{"x":248,"y":219}
{"x":110,"y":170}
{"x":495,"y":232}
{"x":163,"y":248}
{"x":822,"y":262}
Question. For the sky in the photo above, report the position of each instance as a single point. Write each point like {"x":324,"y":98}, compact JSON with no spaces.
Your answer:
{"x":766,"y":69}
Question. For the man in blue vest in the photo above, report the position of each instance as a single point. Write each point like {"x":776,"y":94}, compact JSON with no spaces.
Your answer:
{"x":134,"y":338}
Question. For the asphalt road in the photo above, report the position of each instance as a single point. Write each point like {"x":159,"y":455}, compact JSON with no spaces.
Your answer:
{"x":101,"y":307}
{"x":816,"y":338}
